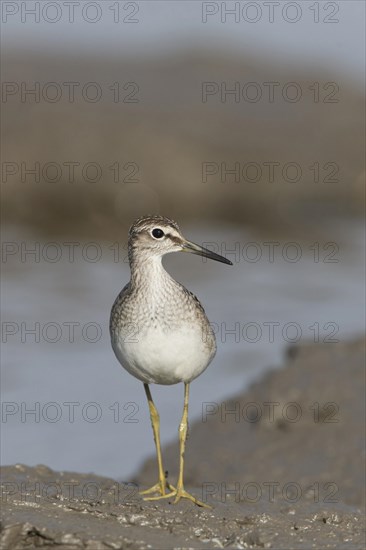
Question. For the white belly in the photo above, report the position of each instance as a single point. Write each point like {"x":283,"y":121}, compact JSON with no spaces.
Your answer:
{"x":160,"y":357}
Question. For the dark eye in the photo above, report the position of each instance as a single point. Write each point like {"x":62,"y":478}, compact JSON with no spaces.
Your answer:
{"x":157,"y":233}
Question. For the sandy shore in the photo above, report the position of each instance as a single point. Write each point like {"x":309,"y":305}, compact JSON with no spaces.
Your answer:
{"x":284,"y":469}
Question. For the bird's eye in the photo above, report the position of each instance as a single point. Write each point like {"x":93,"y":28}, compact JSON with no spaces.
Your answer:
{"x":157,"y":233}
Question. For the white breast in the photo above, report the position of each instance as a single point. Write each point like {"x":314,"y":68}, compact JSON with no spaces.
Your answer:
{"x":158,"y":357}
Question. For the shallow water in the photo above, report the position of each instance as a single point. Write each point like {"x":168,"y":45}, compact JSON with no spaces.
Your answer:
{"x":66,"y":401}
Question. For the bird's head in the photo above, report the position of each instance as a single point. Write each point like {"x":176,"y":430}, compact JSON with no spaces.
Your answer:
{"x":158,"y":235}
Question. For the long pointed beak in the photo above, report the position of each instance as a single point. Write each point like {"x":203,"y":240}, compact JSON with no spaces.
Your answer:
{"x":187,"y":246}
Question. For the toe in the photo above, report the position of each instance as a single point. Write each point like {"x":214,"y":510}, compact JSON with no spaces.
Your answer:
{"x":184,"y":494}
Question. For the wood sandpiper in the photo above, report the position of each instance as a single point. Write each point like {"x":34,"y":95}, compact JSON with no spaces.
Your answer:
{"x":159,"y":330}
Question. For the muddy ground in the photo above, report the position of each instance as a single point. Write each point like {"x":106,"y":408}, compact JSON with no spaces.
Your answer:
{"x":284,"y":470}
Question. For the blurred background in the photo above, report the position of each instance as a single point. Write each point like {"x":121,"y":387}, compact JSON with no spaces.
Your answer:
{"x":244,"y":122}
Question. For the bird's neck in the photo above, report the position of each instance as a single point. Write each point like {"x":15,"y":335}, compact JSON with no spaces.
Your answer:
{"x":148,"y":272}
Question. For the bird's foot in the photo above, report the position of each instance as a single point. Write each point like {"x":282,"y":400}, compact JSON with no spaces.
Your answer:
{"x":180,"y":493}
{"x":159,"y":487}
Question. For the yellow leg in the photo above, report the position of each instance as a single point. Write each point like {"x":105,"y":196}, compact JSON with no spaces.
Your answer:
{"x":183,"y":429}
{"x":162,"y":484}
{"x":180,"y":492}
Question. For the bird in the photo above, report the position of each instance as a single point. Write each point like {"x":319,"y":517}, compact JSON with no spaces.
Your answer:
{"x":160,"y":332}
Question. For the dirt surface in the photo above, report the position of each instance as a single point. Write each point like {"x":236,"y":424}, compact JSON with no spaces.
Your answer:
{"x":272,"y":482}
{"x":101,"y":514}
